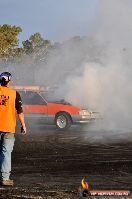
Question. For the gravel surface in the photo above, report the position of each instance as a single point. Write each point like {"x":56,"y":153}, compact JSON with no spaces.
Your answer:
{"x":48,"y":163}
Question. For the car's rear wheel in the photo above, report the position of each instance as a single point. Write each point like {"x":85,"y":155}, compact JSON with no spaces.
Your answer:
{"x":63,"y":121}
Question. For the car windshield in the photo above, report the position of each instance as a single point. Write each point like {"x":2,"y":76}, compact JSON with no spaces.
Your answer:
{"x":50,"y":96}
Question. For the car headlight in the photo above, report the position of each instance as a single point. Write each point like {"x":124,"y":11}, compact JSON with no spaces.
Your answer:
{"x":85,"y":112}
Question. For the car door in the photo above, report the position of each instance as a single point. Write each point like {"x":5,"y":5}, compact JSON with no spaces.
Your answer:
{"x":34,"y":107}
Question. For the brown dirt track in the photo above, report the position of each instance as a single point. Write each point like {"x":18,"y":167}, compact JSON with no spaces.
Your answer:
{"x":48,"y":163}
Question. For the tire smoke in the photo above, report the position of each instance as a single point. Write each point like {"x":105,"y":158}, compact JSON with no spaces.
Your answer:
{"x":106,"y":85}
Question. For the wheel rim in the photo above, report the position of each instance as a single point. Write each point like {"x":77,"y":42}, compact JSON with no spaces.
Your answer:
{"x":61,"y":121}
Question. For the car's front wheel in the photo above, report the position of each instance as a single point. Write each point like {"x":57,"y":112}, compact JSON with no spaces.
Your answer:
{"x":63,"y":121}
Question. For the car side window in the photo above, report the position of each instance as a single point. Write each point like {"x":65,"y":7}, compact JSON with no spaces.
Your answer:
{"x":31,"y":98}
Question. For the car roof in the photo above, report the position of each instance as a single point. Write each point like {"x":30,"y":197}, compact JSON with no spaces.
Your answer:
{"x":29,"y":88}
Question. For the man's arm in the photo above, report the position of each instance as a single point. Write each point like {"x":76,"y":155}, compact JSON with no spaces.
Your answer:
{"x":21,"y":119}
{"x":18,"y":106}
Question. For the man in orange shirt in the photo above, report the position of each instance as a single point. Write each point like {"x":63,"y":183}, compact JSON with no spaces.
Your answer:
{"x":10,"y":103}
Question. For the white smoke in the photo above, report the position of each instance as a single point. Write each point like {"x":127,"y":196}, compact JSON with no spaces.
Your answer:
{"x":106,"y":89}
{"x":107,"y":86}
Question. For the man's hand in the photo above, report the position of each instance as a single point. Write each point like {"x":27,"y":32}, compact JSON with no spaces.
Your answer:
{"x":23,"y":130}
{"x":23,"y":126}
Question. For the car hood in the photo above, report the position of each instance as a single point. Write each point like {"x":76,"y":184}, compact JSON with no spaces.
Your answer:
{"x":62,"y":101}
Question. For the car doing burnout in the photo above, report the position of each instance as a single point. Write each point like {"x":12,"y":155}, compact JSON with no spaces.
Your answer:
{"x":37,"y":108}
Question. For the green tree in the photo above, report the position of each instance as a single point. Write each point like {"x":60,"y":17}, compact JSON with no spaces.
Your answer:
{"x":8,"y":41}
{"x":34,"y":43}
{"x":37,"y":47}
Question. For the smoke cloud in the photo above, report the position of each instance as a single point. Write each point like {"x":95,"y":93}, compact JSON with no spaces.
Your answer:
{"x":93,"y":71}
{"x":106,"y":84}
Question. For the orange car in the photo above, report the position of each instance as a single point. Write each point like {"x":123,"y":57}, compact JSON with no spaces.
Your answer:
{"x":38,"y":108}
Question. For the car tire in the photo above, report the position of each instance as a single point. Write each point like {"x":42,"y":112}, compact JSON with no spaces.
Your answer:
{"x":63,"y":121}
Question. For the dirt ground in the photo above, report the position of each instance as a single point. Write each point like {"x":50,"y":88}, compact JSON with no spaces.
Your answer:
{"x":48,"y":163}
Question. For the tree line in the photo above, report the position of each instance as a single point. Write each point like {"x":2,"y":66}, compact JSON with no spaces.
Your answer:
{"x":9,"y":43}
{"x":37,"y":54}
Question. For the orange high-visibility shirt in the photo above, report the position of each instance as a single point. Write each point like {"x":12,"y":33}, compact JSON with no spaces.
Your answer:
{"x":7,"y":110}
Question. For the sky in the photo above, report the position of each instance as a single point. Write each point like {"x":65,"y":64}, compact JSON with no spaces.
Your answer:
{"x":56,"y":20}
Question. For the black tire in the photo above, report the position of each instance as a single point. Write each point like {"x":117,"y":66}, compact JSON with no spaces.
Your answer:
{"x":63,"y":121}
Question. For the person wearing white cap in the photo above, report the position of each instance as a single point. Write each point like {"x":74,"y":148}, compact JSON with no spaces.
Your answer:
{"x":10,"y":103}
